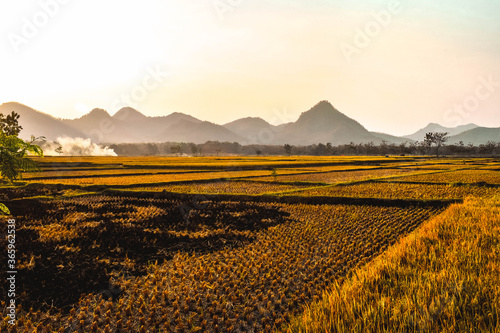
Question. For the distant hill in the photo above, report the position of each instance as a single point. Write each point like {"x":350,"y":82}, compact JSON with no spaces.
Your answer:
{"x":254,"y":130}
{"x":38,"y":123}
{"x":99,"y":126}
{"x":433,"y":127}
{"x":129,"y":126}
{"x":129,"y":114}
{"x":322,"y":124}
{"x":199,"y":132}
{"x":391,"y":138}
{"x":158,"y":125}
{"x":478,"y":135}
{"x":90,"y":120}
{"x":176,"y":117}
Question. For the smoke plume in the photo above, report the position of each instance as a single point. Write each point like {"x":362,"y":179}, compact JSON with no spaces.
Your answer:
{"x":75,"y":147}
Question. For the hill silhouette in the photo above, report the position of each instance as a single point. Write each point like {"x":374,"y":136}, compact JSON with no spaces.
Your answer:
{"x":433,"y":127}
{"x":38,"y":123}
{"x":477,"y":136}
{"x":322,"y":123}
{"x":253,"y":129}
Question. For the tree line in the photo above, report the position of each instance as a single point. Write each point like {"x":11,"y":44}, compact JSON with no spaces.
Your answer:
{"x":434,"y":143}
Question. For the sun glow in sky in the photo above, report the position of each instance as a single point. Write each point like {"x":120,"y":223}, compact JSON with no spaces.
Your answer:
{"x":392,"y":65}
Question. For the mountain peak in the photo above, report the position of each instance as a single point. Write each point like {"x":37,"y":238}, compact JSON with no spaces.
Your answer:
{"x":324,"y":123}
{"x":97,"y":113}
{"x":323,"y":114}
{"x":253,"y":129}
{"x":130,"y":114}
{"x":324,"y":103}
{"x":177,"y":116}
{"x":322,"y":107}
{"x":249,"y":121}
{"x":13,"y":104}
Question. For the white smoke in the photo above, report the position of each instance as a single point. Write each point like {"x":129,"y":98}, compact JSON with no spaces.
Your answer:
{"x":75,"y":147}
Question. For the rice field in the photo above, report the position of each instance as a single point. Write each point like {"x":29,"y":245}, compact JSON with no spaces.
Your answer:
{"x":386,"y":190}
{"x":462,"y":176}
{"x":92,"y":173}
{"x":224,"y":187}
{"x":229,"y":244}
{"x":337,"y":176}
{"x":152,"y":178}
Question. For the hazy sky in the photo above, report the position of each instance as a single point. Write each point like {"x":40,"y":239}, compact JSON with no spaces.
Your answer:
{"x":392,"y":65}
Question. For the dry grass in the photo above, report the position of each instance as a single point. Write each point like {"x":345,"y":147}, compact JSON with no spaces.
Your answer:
{"x":226,"y":267}
{"x":204,"y":161}
{"x":341,"y":176}
{"x":152,"y":178}
{"x":222,"y":187}
{"x":462,"y":176}
{"x":186,"y":264}
{"x":401,"y":191}
{"x":444,"y":277}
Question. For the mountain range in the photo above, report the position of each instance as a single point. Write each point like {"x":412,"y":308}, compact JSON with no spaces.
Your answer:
{"x":323,"y":123}
{"x":433,"y":127}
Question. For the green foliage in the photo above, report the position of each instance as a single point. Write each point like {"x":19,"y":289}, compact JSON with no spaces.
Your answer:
{"x":14,"y":151}
{"x":274,"y":174}
{"x":10,"y":124}
{"x":14,"y":156}
{"x":4,"y":210}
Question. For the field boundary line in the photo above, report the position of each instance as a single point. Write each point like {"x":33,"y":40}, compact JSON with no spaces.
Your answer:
{"x":476,"y":184}
{"x":314,"y":200}
{"x":347,"y":183}
{"x":115,"y":175}
{"x":275,"y":166}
